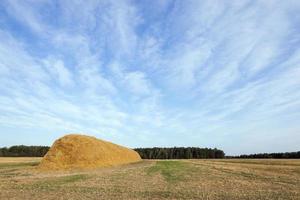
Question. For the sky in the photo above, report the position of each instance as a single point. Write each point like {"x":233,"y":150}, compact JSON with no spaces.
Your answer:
{"x":222,"y":74}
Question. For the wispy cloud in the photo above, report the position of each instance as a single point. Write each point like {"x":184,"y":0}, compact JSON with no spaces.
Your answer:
{"x":152,"y":73}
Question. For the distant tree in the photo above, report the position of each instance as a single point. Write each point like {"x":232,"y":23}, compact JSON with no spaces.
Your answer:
{"x":24,"y":151}
{"x":286,"y":155}
{"x":179,"y":153}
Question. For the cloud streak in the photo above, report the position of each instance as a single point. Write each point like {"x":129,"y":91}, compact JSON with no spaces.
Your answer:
{"x":214,"y":74}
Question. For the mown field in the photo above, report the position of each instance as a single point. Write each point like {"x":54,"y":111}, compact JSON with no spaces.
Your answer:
{"x":155,"y":179}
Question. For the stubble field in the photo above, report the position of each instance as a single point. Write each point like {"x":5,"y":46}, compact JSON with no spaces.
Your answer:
{"x":155,"y":179}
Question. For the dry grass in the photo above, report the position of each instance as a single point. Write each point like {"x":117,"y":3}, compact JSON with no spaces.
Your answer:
{"x":179,"y":179}
{"x":19,"y":160}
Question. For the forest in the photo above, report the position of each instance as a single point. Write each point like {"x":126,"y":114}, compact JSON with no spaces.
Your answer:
{"x":285,"y":155}
{"x":179,"y":153}
{"x":145,"y":153}
{"x":24,"y":151}
{"x":154,"y":153}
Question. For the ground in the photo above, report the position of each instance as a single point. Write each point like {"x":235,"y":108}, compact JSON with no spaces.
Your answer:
{"x":155,"y":179}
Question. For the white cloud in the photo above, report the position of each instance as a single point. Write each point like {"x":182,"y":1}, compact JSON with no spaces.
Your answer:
{"x":197,"y":72}
{"x":94,"y":81}
{"x":137,"y":83}
{"x":25,"y":13}
{"x":60,"y":72}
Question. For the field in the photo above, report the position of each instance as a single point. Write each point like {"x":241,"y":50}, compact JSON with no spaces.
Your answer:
{"x":155,"y":179}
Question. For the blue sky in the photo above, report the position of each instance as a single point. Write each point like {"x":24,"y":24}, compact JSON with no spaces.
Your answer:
{"x":222,"y":74}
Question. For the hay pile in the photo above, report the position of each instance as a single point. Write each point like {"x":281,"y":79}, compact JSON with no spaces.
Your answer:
{"x":85,"y":152}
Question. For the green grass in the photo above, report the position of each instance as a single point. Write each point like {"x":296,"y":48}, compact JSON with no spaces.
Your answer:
{"x":64,"y":180}
{"x":172,"y":171}
{"x":18,"y":165}
{"x":54,"y":183}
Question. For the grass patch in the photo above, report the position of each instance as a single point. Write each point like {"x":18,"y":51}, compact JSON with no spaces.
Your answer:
{"x":9,"y":173}
{"x":18,"y":165}
{"x":172,"y":171}
{"x":65,"y":179}
{"x":167,"y":194}
{"x":54,"y":183}
{"x":157,"y":179}
{"x":70,"y":179}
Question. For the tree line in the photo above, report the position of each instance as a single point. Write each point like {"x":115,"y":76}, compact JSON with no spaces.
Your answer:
{"x":179,"y":153}
{"x":145,"y":153}
{"x":152,"y":153}
{"x":24,"y":151}
{"x":285,"y":155}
